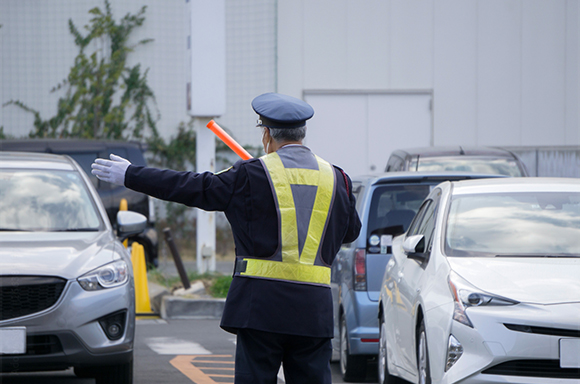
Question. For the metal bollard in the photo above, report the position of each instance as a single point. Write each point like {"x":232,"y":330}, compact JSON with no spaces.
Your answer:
{"x":176,"y":258}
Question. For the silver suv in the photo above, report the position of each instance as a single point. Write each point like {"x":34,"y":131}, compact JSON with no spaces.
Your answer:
{"x":84,"y":152}
{"x":386,"y":205}
{"x":67,"y":297}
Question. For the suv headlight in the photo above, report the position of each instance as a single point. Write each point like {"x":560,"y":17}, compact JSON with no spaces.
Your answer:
{"x":466,"y":295}
{"x":108,"y":276}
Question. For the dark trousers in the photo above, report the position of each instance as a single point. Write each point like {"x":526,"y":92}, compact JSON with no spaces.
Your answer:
{"x":259,"y":354}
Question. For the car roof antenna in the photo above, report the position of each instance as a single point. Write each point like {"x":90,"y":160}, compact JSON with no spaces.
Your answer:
{"x":461,"y":151}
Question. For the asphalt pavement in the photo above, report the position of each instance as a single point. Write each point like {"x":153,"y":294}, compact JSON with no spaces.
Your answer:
{"x":176,"y":352}
{"x":166,"y":351}
{"x":169,"y":341}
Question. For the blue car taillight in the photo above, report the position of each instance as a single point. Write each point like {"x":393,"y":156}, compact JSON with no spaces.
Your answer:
{"x":360,"y":270}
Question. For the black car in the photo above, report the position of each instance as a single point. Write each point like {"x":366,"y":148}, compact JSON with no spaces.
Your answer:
{"x":85,"y":152}
{"x":457,"y":158}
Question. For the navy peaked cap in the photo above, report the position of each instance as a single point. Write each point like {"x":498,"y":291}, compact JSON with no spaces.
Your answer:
{"x":281,"y":111}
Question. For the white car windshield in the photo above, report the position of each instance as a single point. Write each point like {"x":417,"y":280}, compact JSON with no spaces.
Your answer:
{"x":45,"y":200}
{"x":542,"y":224}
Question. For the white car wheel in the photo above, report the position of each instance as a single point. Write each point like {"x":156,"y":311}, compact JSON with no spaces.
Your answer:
{"x":382,"y":364}
{"x":383,"y":370}
{"x":423,"y":356}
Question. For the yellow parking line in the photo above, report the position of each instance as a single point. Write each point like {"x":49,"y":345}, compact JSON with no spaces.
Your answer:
{"x":214,"y":361}
{"x":187,"y":364}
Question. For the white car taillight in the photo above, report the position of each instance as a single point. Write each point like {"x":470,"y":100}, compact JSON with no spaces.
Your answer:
{"x":466,"y":295}
{"x":360,"y":270}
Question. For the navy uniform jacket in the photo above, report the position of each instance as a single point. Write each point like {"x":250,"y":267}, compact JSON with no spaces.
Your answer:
{"x":244,"y":194}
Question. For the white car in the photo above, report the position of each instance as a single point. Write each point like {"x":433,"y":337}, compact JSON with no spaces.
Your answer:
{"x":484,"y":287}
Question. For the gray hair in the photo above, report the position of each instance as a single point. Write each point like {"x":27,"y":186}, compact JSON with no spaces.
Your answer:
{"x":281,"y":135}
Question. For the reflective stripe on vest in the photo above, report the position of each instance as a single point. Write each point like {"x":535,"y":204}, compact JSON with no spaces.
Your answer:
{"x":297,"y":266}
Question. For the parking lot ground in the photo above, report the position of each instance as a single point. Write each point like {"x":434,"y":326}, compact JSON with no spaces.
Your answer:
{"x":198,"y":351}
{"x":173,"y":351}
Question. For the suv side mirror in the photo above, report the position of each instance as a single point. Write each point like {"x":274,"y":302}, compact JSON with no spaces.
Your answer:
{"x":130,"y":223}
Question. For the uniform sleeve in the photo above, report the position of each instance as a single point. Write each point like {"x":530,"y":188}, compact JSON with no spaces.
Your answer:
{"x":208,"y":191}
{"x":354,"y":223}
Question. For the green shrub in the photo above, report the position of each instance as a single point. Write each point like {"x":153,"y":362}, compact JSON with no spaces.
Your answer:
{"x":220,"y":286}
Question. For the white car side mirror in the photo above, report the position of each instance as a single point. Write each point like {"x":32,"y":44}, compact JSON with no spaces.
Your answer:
{"x":410,"y":244}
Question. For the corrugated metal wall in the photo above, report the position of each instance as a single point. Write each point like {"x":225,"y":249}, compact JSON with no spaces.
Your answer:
{"x":550,"y":161}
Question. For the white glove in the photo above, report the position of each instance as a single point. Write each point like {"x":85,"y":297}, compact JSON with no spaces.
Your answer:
{"x":112,"y":171}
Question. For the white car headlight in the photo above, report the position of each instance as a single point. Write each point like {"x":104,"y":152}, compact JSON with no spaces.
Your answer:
{"x":466,"y":295}
{"x":108,"y":276}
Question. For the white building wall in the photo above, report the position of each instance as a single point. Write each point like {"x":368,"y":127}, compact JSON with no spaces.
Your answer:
{"x":455,"y":72}
{"x":501,"y":72}
{"x":543,"y":73}
{"x":499,"y":79}
{"x":37,"y":51}
{"x":251,"y":30}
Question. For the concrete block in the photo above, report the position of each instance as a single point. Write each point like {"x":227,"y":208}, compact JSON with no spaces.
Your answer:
{"x":156,"y":294}
{"x":173,"y":307}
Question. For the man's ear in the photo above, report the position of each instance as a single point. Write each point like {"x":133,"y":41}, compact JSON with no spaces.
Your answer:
{"x":267,"y":133}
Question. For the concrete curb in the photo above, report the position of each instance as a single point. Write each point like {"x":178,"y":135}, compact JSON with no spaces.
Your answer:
{"x":156,"y":294}
{"x":174,"y":307}
{"x":179,"y":307}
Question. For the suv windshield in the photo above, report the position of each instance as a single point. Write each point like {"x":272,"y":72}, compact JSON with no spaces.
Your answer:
{"x":506,"y":167}
{"x":45,"y":200}
{"x":514,"y":224}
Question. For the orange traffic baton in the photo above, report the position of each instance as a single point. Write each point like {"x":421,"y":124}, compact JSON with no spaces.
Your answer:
{"x":228,"y":140}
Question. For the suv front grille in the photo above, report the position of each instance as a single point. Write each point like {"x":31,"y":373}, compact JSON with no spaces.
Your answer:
{"x":43,"y":345}
{"x":534,"y":368}
{"x":25,"y":295}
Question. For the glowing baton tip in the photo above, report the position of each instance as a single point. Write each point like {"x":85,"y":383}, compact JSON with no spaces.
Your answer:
{"x":228,"y":140}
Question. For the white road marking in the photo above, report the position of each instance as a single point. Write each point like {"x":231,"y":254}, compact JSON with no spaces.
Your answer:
{"x":173,"y":346}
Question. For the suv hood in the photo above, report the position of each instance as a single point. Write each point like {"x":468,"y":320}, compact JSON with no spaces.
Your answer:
{"x":68,"y":255}
{"x":525,"y":279}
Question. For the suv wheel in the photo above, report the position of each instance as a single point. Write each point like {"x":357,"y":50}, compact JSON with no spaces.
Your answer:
{"x":352,"y":367}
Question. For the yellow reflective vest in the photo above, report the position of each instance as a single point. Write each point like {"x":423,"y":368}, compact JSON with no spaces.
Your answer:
{"x":302,"y":217}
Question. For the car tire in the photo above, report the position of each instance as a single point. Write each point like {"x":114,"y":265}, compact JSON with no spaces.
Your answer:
{"x":352,"y":367}
{"x":383,"y":368}
{"x":423,"y":370}
{"x":116,"y":374}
